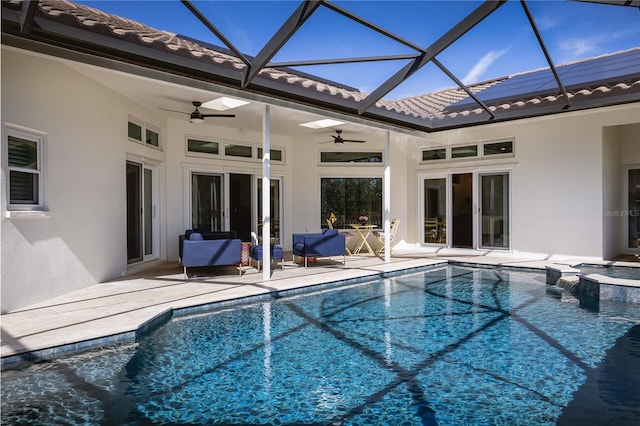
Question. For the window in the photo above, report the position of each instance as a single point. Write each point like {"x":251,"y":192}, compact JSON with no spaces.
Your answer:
{"x":349,"y":198}
{"x":464,"y":151}
{"x":434,"y":154}
{"x":24,"y":163}
{"x":276,"y":155}
{"x":498,"y":148}
{"x":152,"y":138}
{"x":350,"y":157}
{"x":235,"y":150}
{"x":203,"y":146}
{"x":136,"y":129}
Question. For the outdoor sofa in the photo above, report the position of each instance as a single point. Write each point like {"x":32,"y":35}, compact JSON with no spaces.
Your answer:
{"x":209,"y":249}
{"x":324,"y":244}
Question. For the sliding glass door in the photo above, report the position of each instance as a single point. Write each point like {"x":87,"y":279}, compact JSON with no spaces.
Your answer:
{"x":142,"y":226}
{"x":494,"y":210}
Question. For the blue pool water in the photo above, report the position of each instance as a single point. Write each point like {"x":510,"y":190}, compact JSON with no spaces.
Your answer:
{"x":453,"y":346}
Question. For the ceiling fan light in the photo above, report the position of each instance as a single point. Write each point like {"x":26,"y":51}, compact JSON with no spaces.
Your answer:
{"x":196,"y":120}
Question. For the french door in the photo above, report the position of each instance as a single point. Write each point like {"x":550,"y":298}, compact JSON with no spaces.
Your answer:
{"x":225,"y":201}
{"x":466,"y":210}
{"x":142,"y":223}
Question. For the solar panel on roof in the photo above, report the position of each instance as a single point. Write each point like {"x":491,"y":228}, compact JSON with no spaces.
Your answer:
{"x":578,"y":74}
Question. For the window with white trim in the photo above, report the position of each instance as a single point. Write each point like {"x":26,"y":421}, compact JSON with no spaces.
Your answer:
{"x":141,"y":132}
{"x":351,"y":157}
{"x":24,"y":170}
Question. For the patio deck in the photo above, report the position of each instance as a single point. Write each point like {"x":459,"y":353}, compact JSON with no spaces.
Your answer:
{"x":116,"y":311}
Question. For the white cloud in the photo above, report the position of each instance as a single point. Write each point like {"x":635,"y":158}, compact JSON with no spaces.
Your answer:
{"x":482,"y":65}
{"x":578,"y":48}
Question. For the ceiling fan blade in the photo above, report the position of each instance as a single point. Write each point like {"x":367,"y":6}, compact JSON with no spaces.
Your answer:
{"x":173,"y":110}
{"x":353,"y":140}
{"x":218,"y":115}
{"x":327,"y":142}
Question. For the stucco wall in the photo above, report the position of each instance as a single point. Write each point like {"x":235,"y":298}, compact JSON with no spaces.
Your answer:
{"x":556,"y":177}
{"x":82,"y":238}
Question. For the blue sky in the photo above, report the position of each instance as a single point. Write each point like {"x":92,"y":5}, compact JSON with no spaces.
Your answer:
{"x":500,"y":45}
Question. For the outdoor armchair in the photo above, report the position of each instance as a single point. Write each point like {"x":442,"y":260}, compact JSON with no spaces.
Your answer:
{"x":324,"y":244}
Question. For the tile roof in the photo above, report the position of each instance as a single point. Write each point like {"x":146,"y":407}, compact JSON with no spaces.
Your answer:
{"x":440,"y":108}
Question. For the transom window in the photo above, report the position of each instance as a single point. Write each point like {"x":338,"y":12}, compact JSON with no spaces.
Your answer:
{"x":350,"y":198}
{"x":203,"y":146}
{"x":498,"y":148}
{"x":464,"y":151}
{"x":141,"y":132}
{"x":350,"y":157}
{"x":434,"y":154}
{"x":199,"y":146}
{"x":24,"y":163}
{"x":480,"y":150}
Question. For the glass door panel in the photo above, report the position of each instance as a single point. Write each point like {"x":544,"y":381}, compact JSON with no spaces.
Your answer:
{"x":462,"y":210}
{"x":435,"y":211}
{"x":134,"y":212}
{"x":142,"y":226}
{"x":633,"y":227}
{"x":206,"y":202}
{"x":240,"y":205}
{"x":274,"y":204}
{"x":148,"y":212}
{"x":494,"y":215}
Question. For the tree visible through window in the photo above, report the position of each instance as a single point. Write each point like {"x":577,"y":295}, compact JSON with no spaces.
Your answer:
{"x":350,"y":198}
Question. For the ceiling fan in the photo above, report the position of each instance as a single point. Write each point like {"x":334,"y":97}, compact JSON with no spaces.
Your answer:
{"x":338,"y":138}
{"x":196,"y":116}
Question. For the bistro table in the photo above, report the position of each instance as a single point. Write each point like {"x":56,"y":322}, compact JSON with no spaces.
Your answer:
{"x":363,"y":232}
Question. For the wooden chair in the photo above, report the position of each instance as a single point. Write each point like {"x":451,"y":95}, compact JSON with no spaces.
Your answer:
{"x":431,"y":229}
{"x":392,"y":235}
{"x":442,"y":231}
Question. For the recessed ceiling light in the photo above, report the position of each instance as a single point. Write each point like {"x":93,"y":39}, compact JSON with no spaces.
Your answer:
{"x":224,"y":103}
{"x":321,"y":124}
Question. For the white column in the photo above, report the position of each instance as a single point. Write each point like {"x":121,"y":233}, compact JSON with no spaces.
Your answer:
{"x":386,"y":198}
{"x":266,"y":194}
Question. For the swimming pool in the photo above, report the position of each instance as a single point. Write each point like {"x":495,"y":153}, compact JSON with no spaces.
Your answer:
{"x":452,"y":346}
{"x":624,"y":272}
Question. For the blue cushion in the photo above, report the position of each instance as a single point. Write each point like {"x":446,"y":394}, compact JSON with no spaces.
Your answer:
{"x":276,"y":252}
{"x":329,"y":232}
{"x":195,"y":236}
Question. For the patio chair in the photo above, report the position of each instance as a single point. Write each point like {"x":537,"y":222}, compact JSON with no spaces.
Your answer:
{"x":347,"y":236}
{"x":380,"y":236}
{"x":431,"y":229}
